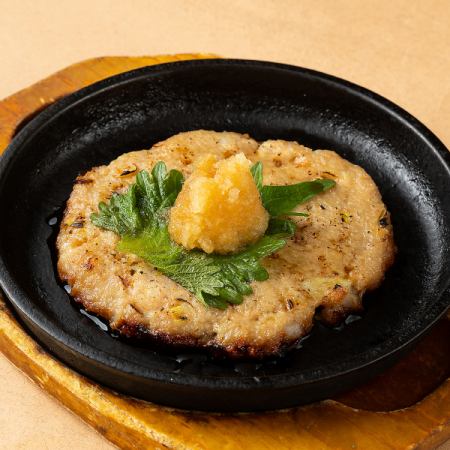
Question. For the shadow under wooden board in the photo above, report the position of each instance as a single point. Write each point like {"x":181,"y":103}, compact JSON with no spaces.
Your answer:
{"x":408,"y":406}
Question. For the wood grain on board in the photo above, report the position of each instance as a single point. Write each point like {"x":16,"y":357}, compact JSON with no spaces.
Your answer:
{"x":407,"y":406}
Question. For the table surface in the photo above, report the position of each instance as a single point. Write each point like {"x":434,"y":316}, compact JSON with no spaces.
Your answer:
{"x":398,"y":48}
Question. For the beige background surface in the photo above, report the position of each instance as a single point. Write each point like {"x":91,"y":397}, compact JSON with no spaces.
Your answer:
{"x":399,"y":48}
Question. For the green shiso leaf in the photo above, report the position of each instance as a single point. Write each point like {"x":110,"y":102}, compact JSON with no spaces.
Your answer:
{"x":140,"y":217}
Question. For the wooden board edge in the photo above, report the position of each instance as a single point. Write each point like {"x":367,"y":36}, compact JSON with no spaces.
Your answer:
{"x":114,"y":416}
{"x":17,"y":107}
{"x":100,"y":408}
{"x":90,"y":402}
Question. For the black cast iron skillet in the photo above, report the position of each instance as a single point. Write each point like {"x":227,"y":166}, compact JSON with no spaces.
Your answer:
{"x":136,"y":109}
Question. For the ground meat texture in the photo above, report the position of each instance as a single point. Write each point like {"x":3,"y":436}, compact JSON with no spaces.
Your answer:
{"x":339,"y":251}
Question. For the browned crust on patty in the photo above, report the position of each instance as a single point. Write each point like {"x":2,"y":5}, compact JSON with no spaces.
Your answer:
{"x":324,"y":270}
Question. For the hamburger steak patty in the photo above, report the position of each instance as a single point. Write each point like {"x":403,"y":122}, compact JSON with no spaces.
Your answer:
{"x":339,"y":251}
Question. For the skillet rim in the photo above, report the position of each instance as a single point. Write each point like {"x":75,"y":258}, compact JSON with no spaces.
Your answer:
{"x":17,"y":297}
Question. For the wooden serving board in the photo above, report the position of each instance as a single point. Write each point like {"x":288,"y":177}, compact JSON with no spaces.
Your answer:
{"x":406,"y":407}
